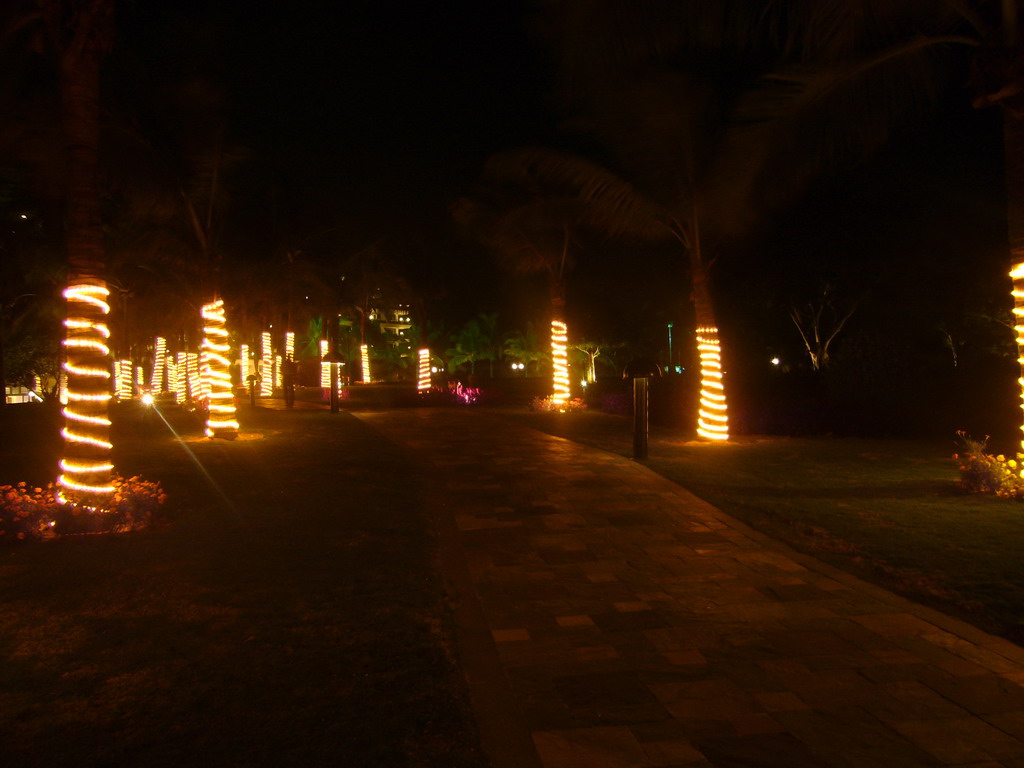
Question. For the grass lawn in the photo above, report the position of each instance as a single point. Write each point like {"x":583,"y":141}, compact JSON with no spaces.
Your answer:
{"x":290,"y":615}
{"x":888,"y":511}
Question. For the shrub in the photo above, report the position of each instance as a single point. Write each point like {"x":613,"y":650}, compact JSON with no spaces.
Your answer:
{"x":35,"y":514}
{"x":546,"y":404}
{"x":982,"y":472}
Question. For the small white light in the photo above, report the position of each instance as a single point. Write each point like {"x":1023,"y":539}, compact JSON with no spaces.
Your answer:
{"x":775,"y":361}
{"x":147,"y":398}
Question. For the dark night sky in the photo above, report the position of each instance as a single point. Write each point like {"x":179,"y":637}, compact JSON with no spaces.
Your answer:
{"x":373,"y":116}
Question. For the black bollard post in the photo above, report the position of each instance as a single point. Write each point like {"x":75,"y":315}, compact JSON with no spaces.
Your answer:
{"x":640,"y":371}
{"x":640,"y":418}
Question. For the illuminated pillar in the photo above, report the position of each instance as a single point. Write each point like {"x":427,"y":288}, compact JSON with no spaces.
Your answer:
{"x":159,"y":357}
{"x":1017,"y":274}
{"x":325,"y":368}
{"x":364,"y":353}
{"x":217,"y":373}
{"x":123,"y":376}
{"x":266,"y":366}
{"x":278,"y":378}
{"x":181,"y":377}
{"x":86,"y":470}
{"x":140,"y":380}
{"x":560,"y":362}
{"x":243,"y":365}
{"x":195,"y":381}
{"x":713,"y":418}
{"x":289,"y":346}
{"x":423,"y":379}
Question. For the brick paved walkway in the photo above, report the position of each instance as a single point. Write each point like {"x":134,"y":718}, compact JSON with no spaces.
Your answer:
{"x":610,"y":619}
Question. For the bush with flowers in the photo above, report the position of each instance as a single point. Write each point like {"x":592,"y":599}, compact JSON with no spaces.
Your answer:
{"x":33,"y":513}
{"x":982,"y":472}
{"x":547,"y":404}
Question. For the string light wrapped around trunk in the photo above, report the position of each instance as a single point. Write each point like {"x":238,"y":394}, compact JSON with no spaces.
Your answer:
{"x":216,"y":364}
{"x":123,"y":375}
{"x":243,"y":364}
{"x":159,"y":361}
{"x":289,"y":345}
{"x":195,"y":380}
{"x":1017,"y":275}
{"x":325,"y":368}
{"x":560,"y":362}
{"x":266,"y":366}
{"x":713,"y":417}
{"x":364,"y":354}
{"x":423,"y":372}
{"x":86,"y":471}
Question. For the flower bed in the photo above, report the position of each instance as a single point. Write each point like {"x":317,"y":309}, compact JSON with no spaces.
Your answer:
{"x":34,"y":514}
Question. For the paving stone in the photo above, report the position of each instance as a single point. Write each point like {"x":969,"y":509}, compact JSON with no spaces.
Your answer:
{"x":960,"y":739}
{"x":601,"y":747}
{"x":760,"y":751}
{"x":635,"y":625}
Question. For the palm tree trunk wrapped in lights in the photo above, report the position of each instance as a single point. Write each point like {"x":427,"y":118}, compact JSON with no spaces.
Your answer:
{"x":123,"y":372}
{"x":266,"y":366}
{"x":325,"y":367}
{"x":423,"y":372}
{"x":364,"y":354}
{"x":216,"y":364}
{"x":1017,"y":274}
{"x":560,"y":362}
{"x":86,"y":471}
{"x":713,"y":418}
{"x":159,"y":365}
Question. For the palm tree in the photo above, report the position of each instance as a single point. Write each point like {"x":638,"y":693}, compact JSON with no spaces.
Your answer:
{"x":525,"y":347}
{"x":81,"y":37}
{"x":534,"y":201}
{"x":721,"y":117}
{"x":471,"y":344}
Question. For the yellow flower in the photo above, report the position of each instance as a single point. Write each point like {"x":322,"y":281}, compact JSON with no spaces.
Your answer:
{"x":1000,"y":457}
{"x":1011,"y":463}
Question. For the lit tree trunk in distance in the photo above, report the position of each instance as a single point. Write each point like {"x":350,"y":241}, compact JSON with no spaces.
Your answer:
{"x":1013,"y":148}
{"x":559,"y":346}
{"x":712,"y":416}
{"x":87,"y":473}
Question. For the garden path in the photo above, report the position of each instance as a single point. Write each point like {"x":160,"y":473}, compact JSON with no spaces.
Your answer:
{"x":610,"y":619}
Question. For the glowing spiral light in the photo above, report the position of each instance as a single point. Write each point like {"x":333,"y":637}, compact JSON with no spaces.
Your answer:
{"x":1017,"y":274}
{"x":560,"y":362}
{"x":325,"y":368}
{"x":278,"y":377}
{"x":216,"y":366}
{"x":423,"y":378}
{"x":289,"y":346}
{"x":243,"y":364}
{"x":713,"y":421}
{"x":266,"y":366}
{"x":364,"y":354}
{"x":140,"y":379}
{"x":123,"y":375}
{"x":180,"y":377}
{"x":37,"y":381}
{"x":195,"y":379}
{"x":86,"y":471}
{"x":159,"y":362}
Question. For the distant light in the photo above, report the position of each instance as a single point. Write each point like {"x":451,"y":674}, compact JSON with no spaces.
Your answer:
{"x":23,"y":216}
{"x":147,"y":398}
{"x":775,"y":361}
